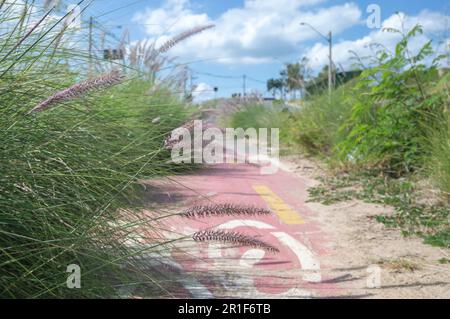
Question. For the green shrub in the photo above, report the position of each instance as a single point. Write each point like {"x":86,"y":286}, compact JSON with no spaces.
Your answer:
{"x":317,"y":124}
{"x":260,"y":116}
{"x":391,"y":116}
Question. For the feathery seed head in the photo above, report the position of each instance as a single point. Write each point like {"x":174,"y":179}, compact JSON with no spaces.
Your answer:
{"x":77,"y":90}
{"x":224,"y":210}
{"x":233,"y":238}
{"x":183,"y":36}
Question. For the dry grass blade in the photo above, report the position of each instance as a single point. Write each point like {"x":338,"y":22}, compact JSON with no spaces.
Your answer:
{"x":107,"y":80}
{"x":224,"y":210}
{"x":233,"y":238}
{"x":183,"y":36}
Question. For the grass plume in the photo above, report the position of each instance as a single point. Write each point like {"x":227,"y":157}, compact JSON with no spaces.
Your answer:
{"x":224,"y":210}
{"x":233,"y":238}
{"x":77,"y":90}
{"x":183,"y":36}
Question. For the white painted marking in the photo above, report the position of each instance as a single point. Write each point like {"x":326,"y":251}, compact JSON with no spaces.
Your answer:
{"x":245,"y":223}
{"x":214,"y":251}
{"x":251,"y":258}
{"x":195,"y":288}
{"x":304,"y":255}
{"x":265,"y":160}
{"x":308,"y":262}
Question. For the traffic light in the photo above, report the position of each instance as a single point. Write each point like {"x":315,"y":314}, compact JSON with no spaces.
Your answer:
{"x":113,"y":54}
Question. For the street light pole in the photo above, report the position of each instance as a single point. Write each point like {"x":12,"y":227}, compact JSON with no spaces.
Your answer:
{"x":244,"y":87}
{"x":330,"y":68}
{"x":329,"y":39}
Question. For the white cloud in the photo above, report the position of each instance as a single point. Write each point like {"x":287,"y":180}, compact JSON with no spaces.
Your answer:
{"x":203,"y":92}
{"x":255,"y":32}
{"x":433,"y":23}
{"x":173,"y":17}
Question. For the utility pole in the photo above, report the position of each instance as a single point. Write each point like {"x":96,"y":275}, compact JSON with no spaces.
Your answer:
{"x":91,"y":27}
{"x":330,"y":68}
{"x":329,"y":39}
{"x":244,"y":87}
{"x":185,"y":80}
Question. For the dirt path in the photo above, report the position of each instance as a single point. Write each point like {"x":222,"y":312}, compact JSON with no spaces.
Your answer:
{"x":359,"y":245}
{"x":324,"y":251}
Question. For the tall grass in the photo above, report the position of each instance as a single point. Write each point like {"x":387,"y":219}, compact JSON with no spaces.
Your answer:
{"x":438,"y":160}
{"x":68,"y":174}
{"x":317,"y":128}
{"x":257,"y":115}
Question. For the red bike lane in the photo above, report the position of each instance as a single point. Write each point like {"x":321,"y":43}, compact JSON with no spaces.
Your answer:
{"x":244,"y":272}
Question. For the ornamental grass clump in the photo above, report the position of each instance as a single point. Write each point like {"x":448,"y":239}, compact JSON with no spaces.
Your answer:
{"x":66,"y":175}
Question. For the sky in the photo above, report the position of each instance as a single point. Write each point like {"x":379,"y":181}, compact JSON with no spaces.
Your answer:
{"x":257,"y":37}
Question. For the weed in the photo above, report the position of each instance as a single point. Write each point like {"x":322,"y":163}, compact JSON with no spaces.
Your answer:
{"x":430,"y":221}
{"x":400,"y":265}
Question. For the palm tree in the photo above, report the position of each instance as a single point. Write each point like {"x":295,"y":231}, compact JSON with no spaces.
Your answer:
{"x":275,"y":85}
{"x":295,"y":77}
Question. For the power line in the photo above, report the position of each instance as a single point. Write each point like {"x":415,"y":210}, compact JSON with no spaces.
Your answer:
{"x":217,"y":75}
{"x":126,"y":24}
{"x":231,"y":77}
{"x":255,"y":80}
{"x":120,"y":8}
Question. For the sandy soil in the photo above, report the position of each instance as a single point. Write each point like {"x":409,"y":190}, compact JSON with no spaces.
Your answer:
{"x":361,"y":249}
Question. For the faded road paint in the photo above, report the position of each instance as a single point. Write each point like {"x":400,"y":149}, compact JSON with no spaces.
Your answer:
{"x":305,"y":256}
{"x":286,"y":214}
{"x":244,"y":272}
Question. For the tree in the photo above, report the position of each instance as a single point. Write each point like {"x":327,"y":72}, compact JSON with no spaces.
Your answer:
{"x":294,"y":78}
{"x":275,"y":85}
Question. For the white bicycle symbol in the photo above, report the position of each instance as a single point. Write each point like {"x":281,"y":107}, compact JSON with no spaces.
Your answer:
{"x":309,"y":270}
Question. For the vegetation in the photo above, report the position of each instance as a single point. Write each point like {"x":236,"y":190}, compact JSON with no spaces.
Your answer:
{"x":318,"y":124}
{"x":78,"y":135}
{"x":438,"y":149}
{"x":414,"y":216}
{"x":292,"y":79}
{"x":258,"y":116}
{"x":389,"y":127}
{"x":395,"y":108}
{"x":69,"y":169}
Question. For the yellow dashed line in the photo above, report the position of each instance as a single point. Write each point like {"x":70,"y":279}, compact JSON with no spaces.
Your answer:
{"x":279,"y":206}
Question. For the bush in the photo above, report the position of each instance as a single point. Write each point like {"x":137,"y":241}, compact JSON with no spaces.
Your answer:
{"x":390,"y":119}
{"x":317,"y":124}
{"x":69,"y":173}
{"x":263,"y":116}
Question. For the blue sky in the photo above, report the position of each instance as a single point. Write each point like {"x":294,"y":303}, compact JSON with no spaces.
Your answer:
{"x":255,"y":37}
